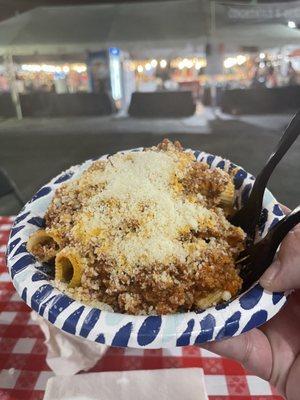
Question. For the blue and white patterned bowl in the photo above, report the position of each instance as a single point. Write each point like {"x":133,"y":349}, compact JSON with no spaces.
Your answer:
{"x":250,"y":310}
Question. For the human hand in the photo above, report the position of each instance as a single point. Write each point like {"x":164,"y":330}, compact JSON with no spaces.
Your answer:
{"x":272,"y":351}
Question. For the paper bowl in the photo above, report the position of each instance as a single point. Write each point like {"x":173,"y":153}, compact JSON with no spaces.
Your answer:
{"x":30,"y":278}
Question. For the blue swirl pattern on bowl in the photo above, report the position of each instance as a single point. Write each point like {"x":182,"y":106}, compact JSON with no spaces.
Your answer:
{"x":33,"y":283}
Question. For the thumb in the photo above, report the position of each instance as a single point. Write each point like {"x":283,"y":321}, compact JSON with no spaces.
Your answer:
{"x":284,"y":272}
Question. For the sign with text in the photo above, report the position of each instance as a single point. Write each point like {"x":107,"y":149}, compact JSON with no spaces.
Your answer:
{"x":268,"y":12}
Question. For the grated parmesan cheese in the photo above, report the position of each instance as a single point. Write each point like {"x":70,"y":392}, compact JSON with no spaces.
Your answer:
{"x":139,"y":188}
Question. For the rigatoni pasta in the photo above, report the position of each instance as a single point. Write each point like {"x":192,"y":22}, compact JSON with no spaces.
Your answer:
{"x":69,"y":266}
{"x":43,"y":244}
{"x":145,"y":232}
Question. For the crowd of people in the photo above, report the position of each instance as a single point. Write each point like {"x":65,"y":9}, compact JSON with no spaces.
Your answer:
{"x":269,"y":76}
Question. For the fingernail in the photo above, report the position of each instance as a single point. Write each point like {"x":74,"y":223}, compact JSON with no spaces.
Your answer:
{"x":271,"y":273}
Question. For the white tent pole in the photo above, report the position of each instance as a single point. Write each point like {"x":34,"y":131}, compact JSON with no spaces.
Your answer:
{"x":213,"y":85}
{"x":212,"y":17}
{"x":9,"y":63}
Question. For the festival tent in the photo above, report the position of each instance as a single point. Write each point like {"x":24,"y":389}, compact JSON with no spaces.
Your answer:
{"x":135,"y":27}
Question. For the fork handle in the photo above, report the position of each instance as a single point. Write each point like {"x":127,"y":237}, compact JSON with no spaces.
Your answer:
{"x":281,"y":229}
{"x":290,"y":135}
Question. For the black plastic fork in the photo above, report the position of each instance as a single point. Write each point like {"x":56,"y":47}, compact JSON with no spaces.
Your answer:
{"x":248,"y":216}
{"x":254,"y":261}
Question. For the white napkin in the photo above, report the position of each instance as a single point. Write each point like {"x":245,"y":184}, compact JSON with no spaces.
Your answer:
{"x":164,"y":384}
{"x":68,"y":354}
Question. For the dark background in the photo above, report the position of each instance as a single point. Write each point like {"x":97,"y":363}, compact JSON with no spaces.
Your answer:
{"x":9,"y":8}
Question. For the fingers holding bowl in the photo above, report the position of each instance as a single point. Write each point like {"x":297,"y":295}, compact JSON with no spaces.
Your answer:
{"x":284,"y":272}
{"x":251,"y":349}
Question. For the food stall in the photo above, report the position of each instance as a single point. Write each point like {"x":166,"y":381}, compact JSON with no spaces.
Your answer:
{"x":100,"y":85}
{"x":50,"y":77}
{"x":51,"y":89}
{"x":269,"y":83}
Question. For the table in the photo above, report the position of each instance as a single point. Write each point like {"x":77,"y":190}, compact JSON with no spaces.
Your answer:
{"x":24,"y":372}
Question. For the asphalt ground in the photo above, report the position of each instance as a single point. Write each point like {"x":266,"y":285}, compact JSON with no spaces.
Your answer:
{"x":33,"y":151}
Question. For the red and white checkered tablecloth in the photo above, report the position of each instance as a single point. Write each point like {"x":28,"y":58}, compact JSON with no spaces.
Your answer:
{"x":24,"y":372}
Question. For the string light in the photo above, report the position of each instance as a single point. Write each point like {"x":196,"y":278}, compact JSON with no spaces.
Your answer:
{"x":241,"y":59}
{"x":230,"y":62}
{"x":31,"y":67}
{"x":163,"y":63}
{"x":50,"y":68}
{"x":292,"y":25}
{"x":140,"y":69}
{"x":148,"y":67}
{"x":154,"y":63}
{"x":79,"y":68}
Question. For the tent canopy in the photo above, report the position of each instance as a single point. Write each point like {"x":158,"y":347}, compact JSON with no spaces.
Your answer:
{"x":258,"y":35}
{"x":70,"y":28}
{"x":183,"y":24}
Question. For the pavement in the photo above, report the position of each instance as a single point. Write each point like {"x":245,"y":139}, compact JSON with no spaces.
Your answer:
{"x":34,"y":150}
